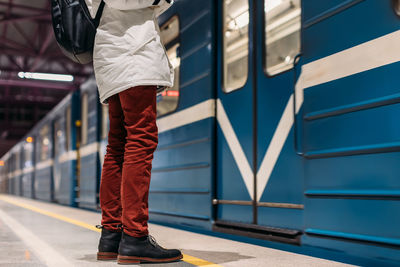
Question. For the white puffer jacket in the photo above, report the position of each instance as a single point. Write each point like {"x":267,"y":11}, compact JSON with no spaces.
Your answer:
{"x":128,"y":51}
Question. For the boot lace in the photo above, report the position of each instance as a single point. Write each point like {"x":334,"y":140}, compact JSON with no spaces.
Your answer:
{"x":153,"y":241}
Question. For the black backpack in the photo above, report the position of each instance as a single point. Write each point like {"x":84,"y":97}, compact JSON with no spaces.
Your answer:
{"x":75,"y":29}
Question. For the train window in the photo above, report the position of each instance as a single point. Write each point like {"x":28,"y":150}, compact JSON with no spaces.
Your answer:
{"x":17,"y":160}
{"x":44,"y":143}
{"x":68,"y":127}
{"x":167,"y":101}
{"x":104,"y":121}
{"x":396,"y":6}
{"x":282,"y":34}
{"x":84,"y":119}
{"x":28,"y":148}
{"x":57,"y":137}
{"x":236,"y":44}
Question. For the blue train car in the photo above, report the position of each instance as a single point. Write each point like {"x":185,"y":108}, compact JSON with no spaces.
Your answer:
{"x":280,"y":126}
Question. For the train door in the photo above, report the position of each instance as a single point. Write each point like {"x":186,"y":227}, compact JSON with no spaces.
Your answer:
{"x":259,"y":184}
{"x":235,"y":129}
{"x":88,"y":163}
{"x":279,"y":168}
{"x":62,"y":172}
{"x":58,"y":149}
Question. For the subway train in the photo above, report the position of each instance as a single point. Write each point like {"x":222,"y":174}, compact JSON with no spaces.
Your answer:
{"x":280,"y":129}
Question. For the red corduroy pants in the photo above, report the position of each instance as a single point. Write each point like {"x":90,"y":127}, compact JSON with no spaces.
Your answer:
{"x":125,"y":177}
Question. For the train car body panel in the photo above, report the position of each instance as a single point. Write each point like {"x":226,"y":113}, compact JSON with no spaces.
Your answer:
{"x":88,"y":156}
{"x":15,"y":174}
{"x":349,"y":135}
{"x":183,"y":167}
{"x":43,"y":183}
{"x":64,"y":171}
{"x":27,"y":168}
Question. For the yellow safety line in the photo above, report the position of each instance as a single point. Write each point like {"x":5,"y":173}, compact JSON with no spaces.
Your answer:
{"x":186,"y":258}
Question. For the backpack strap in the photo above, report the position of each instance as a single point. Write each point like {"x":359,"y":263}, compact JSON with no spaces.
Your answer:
{"x":99,"y":12}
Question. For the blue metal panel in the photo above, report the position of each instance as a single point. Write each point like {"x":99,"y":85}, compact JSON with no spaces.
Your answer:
{"x":348,"y":28}
{"x":363,"y":128}
{"x":64,"y":185}
{"x":88,"y":181}
{"x":316,"y":11}
{"x":366,"y":217}
{"x":352,"y":199}
{"x":43,"y":184}
{"x":11,"y":186}
{"x":352,"y":251}
{"x":352,"y":91}
{"x":89,"y":176}
{"x":18,"y":185}
{"x":183,"y":163}
{"x":27,"y":185}
{"x":182,"y":173}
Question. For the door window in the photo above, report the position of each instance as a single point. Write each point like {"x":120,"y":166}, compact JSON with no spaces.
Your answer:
{"x":167,"y":100}
{"x":84,"y":116}
{"x":68,"y":128}
{"x":236,"y":44}
{"x":28,"y":149}
{"x":282,"y":34}
{"x":44,"y":143}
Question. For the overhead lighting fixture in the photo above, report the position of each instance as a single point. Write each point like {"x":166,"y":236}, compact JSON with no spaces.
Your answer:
{"x":46,"y":76}
{"x":240,"y":21}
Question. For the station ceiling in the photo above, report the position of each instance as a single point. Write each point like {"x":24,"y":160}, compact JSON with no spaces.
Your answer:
{"x":27,"y":44}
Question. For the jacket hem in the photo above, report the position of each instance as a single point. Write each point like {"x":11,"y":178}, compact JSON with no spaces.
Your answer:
{"x":103,"y":98}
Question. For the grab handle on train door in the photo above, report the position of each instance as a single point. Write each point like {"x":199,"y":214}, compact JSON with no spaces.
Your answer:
{"x":295,"y":130}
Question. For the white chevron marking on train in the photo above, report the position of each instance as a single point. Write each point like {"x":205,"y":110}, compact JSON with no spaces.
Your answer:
{"x":235,"y":147}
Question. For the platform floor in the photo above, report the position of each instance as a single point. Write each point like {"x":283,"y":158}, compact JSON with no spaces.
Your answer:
{"x":35,"y":233}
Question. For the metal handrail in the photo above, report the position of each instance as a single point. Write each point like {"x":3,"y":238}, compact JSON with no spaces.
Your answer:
{"x":295,"y":130}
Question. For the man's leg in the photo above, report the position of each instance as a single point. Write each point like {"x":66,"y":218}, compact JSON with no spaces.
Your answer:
{"x":110,"y":185}
{"x":136,"y":246}
{"x":139,"y":108}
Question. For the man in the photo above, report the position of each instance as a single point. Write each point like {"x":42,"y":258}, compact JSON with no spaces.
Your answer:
{"x":129,"y":62}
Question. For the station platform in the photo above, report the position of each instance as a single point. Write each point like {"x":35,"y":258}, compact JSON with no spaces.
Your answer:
{"x":35,"y":233}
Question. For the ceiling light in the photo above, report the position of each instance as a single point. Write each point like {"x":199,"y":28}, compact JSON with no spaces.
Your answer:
{"x":271,"y":4}
{"x":240,"y":21}
{"x":46,"y":76}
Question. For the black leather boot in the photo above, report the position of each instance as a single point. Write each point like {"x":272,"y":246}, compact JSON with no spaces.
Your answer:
{"x":144,"y":249}
{"x":108,"y":244}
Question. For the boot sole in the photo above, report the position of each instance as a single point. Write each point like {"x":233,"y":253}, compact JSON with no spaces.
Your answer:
{"x":106,"y":256}
{"x":133,"y":259}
